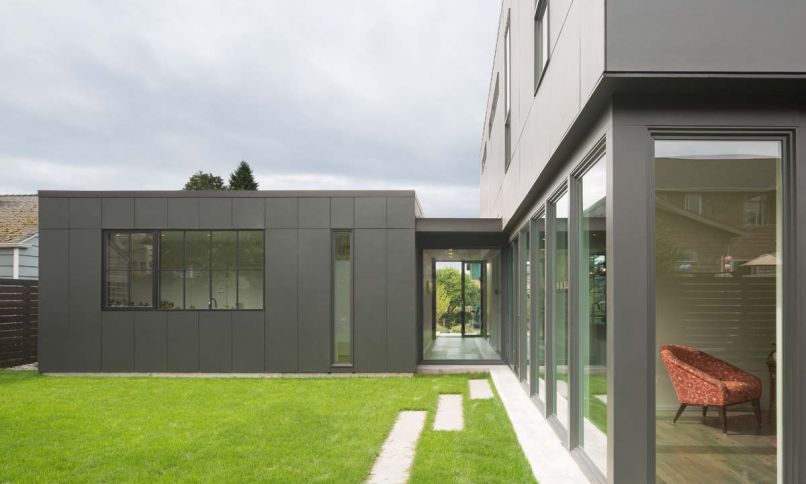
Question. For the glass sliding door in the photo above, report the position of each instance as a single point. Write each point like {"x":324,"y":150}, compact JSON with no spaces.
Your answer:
{"x":591,"y":213}
{"x":559,"y":294}
{"x":718,"y":304}
{"x":524,"y":319}
{"x":472,"y":298}
{"x":538,"y":305}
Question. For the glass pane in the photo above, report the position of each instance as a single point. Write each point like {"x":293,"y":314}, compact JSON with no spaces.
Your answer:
{"x":560,"y":295}
{"x":250,"y":290}
{"x":342,"y":298}
{"x":472,"y":302}
{"x":223,"y":249}
{"x":593,"y":312}
{"x":523,"y":301}
{"x":449,"y":298}
{"x":250,"y":250}
{"x":224,"y":290}
{"x":172,"y":250}
{"x":117,"y":251}
{"x":540,"y":305}
{"x":718,"y":310}
{"x":197,"y":248}
{"x":197,"y":289}
{"x":142,"y":251}
{"x":171,"y":290}
{"x":117,"y":288}
{"x":142,"y":284}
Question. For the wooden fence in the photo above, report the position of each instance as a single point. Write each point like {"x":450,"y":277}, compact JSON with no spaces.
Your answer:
{"x":19,"y":307}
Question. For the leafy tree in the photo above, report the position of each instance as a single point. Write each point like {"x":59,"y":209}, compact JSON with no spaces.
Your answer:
{"x":204,"y":181}
{"x":242,"y":178}
{"x":449,"y":280}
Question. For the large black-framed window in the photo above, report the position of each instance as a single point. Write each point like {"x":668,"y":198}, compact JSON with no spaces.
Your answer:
{"x":184,"y":270}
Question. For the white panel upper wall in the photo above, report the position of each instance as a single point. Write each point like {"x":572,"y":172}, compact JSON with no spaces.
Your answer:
{"x":539,"y":119}
{"x":706,"y":36}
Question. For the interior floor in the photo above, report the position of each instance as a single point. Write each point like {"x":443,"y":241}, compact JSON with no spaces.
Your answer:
{"x":450,"y":347}
{"x":696,"y":446}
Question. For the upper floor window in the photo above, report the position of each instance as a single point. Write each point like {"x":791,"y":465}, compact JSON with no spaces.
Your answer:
{"x":541,"y":37}
{"x":755,"y":210}
{"x":494,"y":106}
{"x":693,"y":203}
{"x":507,"y":95}
{"x":195,"y":269}
{"x":484,"y":158}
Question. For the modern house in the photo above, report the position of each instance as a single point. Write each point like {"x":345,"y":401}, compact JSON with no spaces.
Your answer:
{"x":19,"y":237}
{"x":640,"y":170}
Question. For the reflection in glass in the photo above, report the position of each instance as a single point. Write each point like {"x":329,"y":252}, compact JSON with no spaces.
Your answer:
{"x":342,"y":297}
{"x":593,"y":312}
{"x":718,"y":303}
{"x":250,"y":289}
{"x":539,"y":313}
{"x":472,"y":298}
{"x":197,"y":290}
{"x":224,"y":290}
{"x":223,"y":249}
{"x":172,"y":290}
{"x":559,"y":285}
{"x":128,"y":263}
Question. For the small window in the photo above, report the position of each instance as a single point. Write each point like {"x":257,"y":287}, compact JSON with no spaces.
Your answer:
{"x":494,"y":107}
{"x":342,"y":297}
{"x":507,"y":71}
{"x":484,"y":158}
{"x":541,"y":39}
{"x":128,"y":270}
{"x":693,"y":203}
{"x":755,"y":210}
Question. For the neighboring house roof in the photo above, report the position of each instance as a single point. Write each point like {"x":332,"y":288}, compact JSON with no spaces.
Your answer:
{"x":19,"y":217}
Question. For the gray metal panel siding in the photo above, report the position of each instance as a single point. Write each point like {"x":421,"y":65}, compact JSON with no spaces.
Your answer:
{"x":248,"y":213}
{"x":84,"y":304}
{"x":370,"y":213}
{"x":150,"y":341}
{"x":282,"y":247}
{"x":314,"y":213}
{"x":53,"y":298}
{"x":183,"y":340}
{"x":150,"y":213}
{"x":400,"y":212}
{"x":341,"y":213}
{"x":248,"y":341}
{"x":215,"y":213}
{"x":215,"y":341}
{"x":314,"y":300}
{"x":401,"y":279}
{"x":53,"y":213}
{"x":85,"y":213}
{"x":369,"y":312}
{"x":117,"y":212}
{"x":748,"y":36}
{"x":183,"y":213}
{"x":282,"y":213}
{"x":117,"y":341}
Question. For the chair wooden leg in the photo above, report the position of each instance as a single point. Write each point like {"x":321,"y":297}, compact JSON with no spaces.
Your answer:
{"x":757,"y":411}
{"x":679,"y":411}
{"x":723,"y":414}
{"x":704,"y":410}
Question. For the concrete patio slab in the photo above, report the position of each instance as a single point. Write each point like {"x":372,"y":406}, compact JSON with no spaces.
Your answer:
{"x":480,"y":390}
{"x":397,"y":454}
{"x":450,"y":415}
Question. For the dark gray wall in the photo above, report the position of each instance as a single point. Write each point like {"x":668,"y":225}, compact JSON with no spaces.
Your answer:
{"x":711,"y":36}
{"x":291,"y":334}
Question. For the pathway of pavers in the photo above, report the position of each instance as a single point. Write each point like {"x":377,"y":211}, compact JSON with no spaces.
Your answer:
{"x":397,"y":454}
{"x":450,"y":415}
{"x":480,"y":390}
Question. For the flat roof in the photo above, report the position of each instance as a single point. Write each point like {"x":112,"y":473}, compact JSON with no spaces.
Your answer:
{"x":223,"y":193}
{"x":463,"y":225}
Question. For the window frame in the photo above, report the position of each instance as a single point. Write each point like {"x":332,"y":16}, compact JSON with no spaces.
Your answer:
{"x":333,"y":363}
{"x":541,"y":12}
{"x":157,"y":270}
{"x":507,"y":95}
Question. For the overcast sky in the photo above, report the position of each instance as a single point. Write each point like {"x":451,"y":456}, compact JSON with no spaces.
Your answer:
{"x":313,"y":94}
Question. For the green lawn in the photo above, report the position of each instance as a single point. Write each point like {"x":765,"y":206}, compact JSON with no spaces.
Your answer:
{"x":90,"y":429}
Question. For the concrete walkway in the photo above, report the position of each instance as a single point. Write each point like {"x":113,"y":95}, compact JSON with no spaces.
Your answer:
{"x":397,"y":454}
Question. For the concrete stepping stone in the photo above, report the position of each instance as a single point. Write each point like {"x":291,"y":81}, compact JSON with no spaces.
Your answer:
{"x":480,"y":390}
{"x":397,"y":454}
{"x":450,"y":416}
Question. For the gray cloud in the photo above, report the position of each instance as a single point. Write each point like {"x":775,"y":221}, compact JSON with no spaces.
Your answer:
{"x":314,"y":94}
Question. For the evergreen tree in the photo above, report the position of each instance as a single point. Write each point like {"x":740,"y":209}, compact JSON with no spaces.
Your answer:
{"x":242,"y":178}
{"x":204,"y":181}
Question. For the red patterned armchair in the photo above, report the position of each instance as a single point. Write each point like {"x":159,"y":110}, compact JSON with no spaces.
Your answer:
{"x":701,"y":379}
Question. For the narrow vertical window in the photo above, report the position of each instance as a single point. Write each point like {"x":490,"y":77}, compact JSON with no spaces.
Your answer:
{"x":538,"y":240}
{"x":541,"y":36}
{"x":342,"y":297}
{"x":559,"y":289}
{"x":507,"y":96}
{"x":129,"y":269}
